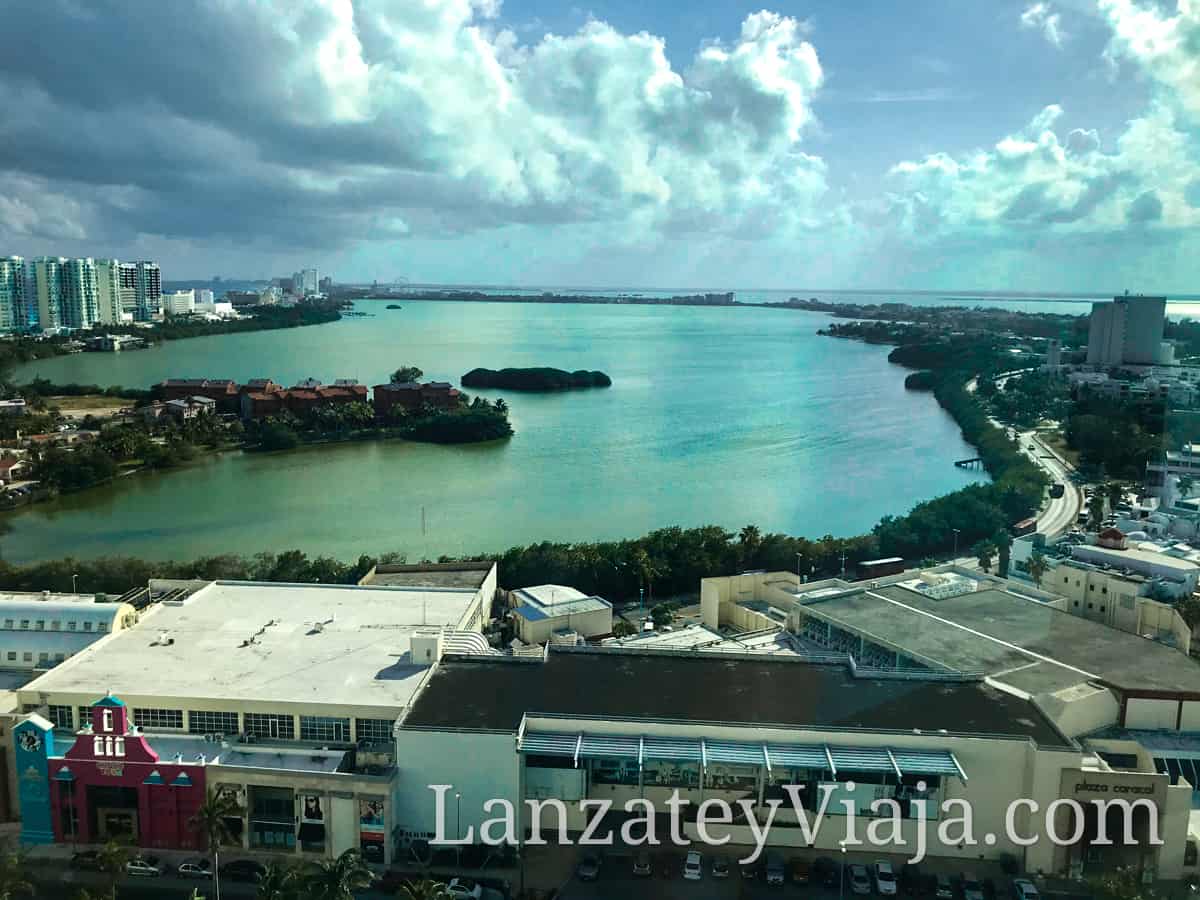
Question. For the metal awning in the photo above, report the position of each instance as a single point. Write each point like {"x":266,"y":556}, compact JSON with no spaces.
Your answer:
{"x":736,"y":752}
{"x":583,"y":745}
{"x":609,"y":746}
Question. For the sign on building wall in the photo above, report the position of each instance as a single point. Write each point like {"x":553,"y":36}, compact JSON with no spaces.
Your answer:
{"x":34,"y":743}
{"x":371,"y":828}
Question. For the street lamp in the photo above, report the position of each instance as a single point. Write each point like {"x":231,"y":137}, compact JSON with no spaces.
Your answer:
{"x":458,"y":822}
{"x":842,"y":875}
{"x":74,"y":578}
{"x":799,"y":556}
{"x":955,"y":530}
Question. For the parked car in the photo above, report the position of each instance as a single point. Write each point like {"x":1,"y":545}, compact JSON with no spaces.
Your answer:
{"x":194,"y":868}
{"x":860,"y":881}
{"x":826,"y":871}
{"x":800,"y":870}
{"x":464,"y":889}
{"x":691,"y":866}
{"x":720,"y":867}
{"x":88,"y":860}
{"x":885,"y":878}
{"x":588,"y":868}
{"x":944,"y":888}
{"x":971,"y":888}
{"x":243,"y":870}
{"x":1024,"y":889}
{"x":144,"y":865}
{"x":642,"y":866}
{"x":775,"y":869}
{"x":749,"y":871}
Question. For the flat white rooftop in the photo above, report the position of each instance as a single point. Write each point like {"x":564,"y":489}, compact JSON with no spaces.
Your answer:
{"x":259,"y":643}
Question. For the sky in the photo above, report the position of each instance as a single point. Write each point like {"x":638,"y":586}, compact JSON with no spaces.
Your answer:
{"x":940,"y":145}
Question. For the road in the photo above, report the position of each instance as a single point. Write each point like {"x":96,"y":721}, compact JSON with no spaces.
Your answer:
{"x":1060,"y":513}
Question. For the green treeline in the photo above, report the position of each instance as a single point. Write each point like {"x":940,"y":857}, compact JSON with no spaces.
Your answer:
{"x":534,"y":379}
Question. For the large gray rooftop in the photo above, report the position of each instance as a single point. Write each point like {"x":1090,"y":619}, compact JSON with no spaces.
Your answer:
{"x":468,"y":576}
{"x":1019,"y":642}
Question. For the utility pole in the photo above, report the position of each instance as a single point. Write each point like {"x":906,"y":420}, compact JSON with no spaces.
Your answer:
{"x":843,"y":563}
{"x":955,"y":530}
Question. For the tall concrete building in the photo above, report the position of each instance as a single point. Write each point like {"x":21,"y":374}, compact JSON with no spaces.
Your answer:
{"x":45,"y":289}
{"x":1128,"y":331}
{"x":13,"y":306}
{"x":113,"y":298}
{"x":147,"y":291}
{"x":307,"y":282}
{"x":80,"y":300}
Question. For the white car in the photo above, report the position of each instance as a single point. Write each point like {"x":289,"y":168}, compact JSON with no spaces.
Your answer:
{"x":691,"y":866}
{"x":464,"y":889}
{"x":885,"y":878}
{"x":194,"y":868}
{"x":1024,"y":889}
{"x":143,"y":865}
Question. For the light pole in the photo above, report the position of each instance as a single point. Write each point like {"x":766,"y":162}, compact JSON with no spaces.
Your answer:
{"x":955,"y":530}
{"x":74,"y":578}
{"x":458,"y":822}
{"x":842,"y":875}
{"x":798,"y":558}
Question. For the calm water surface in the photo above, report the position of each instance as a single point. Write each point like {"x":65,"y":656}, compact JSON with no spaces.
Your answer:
{"x":726,"y":416}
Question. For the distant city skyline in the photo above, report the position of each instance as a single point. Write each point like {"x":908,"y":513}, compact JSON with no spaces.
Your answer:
{"x":1048,"y":146}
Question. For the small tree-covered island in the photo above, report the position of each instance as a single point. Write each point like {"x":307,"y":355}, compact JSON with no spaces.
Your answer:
{"x":535,"y":379}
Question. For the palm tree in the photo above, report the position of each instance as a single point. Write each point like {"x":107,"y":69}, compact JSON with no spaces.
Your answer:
{"x":13,"y":877}
{"x":279,"y":882}
{"x":211,"y":823}
{"x":986,"y":552}
{"x":1037,"y":566}
{"x":425,"y":889}
{"x":338,"y":879}
{"x":111,"y":859}
{"x":1184,"y":483}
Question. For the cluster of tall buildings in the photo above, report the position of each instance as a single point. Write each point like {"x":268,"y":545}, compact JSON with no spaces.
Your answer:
{"x":53,"y":292}
{"x":1129,"y":331}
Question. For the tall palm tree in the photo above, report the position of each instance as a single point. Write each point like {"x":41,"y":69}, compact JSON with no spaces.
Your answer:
{"x":279,"y":882}
{"x":211,"y":823}
{"x":338,"y":879}
{"x":111,"y":859}
{"x":1037,"y":566}
{"x":14,"y":880}
{"x":425,"y":889}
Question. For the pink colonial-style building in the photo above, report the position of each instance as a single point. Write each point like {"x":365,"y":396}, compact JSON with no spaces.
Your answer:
{"x":113,"y":784}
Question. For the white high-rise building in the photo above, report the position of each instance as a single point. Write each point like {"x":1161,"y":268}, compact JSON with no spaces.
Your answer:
{"x":147,"y":290}
{"x":308,"y":282}
{"x":80,"y":302}
{"x":112,"y":297}
{"x":204,"y":300}
{"x":1128,"y":331}
{"x":45,"y":288}
{"x":14,"y":311}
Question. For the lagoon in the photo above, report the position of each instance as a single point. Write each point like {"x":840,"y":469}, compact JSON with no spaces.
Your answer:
{"x":716,"y":415}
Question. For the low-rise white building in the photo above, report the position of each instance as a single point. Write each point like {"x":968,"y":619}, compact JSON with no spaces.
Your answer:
{"x":179,"y":303}
{"x":539,"y":612}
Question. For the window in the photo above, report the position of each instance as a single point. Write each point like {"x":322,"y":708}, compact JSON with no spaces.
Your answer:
{"x":270,"y":725}
{"x":377,"y":731}
{"x":43,"y":658}
{"x":158,"y":718}
{"x":101,"y":628}
{"x":27,"y":656}
{"x":39,"y":625}
{"x":54,"y":623}
{"x":1104,"y":590}
{"x":212,"y":722}
{"x":61,"y":716}
{"x":12,"y":655}
{"x":59,"y":657}
{"x":1076,"y":602}
{"x":9,"y":624}
{"x":87,"y":626}
{"x":70,"y":626}
{"x":324,"y":728}
{"x":1090,"y":605}
{"x":25,"y":624}
{"x":1091,"y":587}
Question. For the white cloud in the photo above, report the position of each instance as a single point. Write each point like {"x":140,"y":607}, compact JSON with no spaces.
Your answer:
{"x":1041,"y":16}
{"x":329,"y":118}
{"x":1164,"y":47}
{"x":1032,"y":179}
